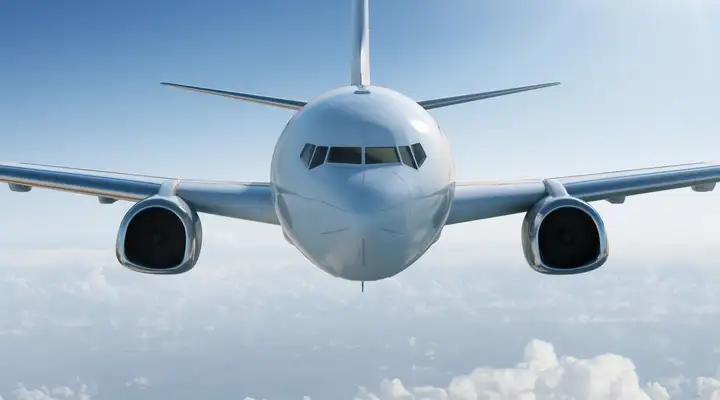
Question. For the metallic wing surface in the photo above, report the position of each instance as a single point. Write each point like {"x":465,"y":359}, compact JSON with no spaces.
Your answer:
{"x":481,"y":200}
{"x":254,"y":98}
{"x":250,"y":201}
{"x":451,"y":101}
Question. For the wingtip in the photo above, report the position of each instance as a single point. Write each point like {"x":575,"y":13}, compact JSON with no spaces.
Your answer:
{"x":177,"y":85}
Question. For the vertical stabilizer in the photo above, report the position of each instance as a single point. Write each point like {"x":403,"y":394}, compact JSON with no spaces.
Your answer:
{"x":361,"y":44}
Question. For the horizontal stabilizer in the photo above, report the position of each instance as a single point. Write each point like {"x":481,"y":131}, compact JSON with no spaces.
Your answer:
{"x":450,"y":101}
{"x":271,"y":101}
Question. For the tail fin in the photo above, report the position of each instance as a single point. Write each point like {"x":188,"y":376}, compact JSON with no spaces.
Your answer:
{"x":360,"y":68}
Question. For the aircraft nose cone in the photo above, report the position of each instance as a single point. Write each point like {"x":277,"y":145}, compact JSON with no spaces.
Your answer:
{"x":371,"y":192}
{"x":369,"y":237}
{"x":371,"y":224}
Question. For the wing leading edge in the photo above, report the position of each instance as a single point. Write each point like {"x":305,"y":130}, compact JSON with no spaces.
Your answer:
{"x":254,"y":98}
{"x":481,"y":200}
{"x":451,"y":101}
{"x":250,"y":201}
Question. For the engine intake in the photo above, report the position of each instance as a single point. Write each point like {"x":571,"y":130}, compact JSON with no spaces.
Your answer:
{"x":564,"y":235}
{"x":159,"y":235}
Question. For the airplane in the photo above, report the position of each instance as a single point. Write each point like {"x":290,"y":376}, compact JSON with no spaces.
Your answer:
{"x":362,"y":183}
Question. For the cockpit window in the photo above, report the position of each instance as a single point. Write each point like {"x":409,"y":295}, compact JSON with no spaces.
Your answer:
{"x":307,"y":153}
{"x":407,"y":157}
{"x":319,"y":156}
{"x":345,"y":155}
{"x":381,"y":155}
{"x":420,"y":155}
{"x":313,"y":156}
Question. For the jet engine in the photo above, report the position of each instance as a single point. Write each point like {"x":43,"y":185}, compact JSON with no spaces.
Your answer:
{"x":564,"y":235}
{"x":159,"y":235}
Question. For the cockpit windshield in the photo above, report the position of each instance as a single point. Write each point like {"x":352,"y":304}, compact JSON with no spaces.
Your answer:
{"x":307,"y":153}
{"x":345,"y":155}
{"x":318,"y":157}
{"x":313,"y":156}
{"x":381,"y":155}
{"x":419,"y":152}
{"x":407,"y":156}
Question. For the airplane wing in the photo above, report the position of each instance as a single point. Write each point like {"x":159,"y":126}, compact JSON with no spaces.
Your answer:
{"x":451,"y":101}
{"x":480,"y":200}
{"x":254,"y":98}
{"x":250,"y":201}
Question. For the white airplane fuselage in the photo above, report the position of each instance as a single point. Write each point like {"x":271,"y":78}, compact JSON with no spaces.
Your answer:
{"x":362,"y":183}
{"x":362,"y":178}
{"x":362,"y":221}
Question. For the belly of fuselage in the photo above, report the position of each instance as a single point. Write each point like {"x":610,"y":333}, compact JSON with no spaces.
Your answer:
{"x":362,"y":244}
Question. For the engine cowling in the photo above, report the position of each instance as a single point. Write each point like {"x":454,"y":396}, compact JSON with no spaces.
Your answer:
{"x":159,"y":235}
{"x":564,"y":235}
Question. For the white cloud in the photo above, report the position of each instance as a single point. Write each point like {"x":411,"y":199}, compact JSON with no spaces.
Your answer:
{"x":57,"y":393}
{"x":139,"y":382}
{"x":708,"y":388}
{"x":541,"y":375}
{"x":63,"y":391}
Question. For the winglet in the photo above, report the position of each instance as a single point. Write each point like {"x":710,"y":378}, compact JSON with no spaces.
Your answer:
{"x":360,"y":67}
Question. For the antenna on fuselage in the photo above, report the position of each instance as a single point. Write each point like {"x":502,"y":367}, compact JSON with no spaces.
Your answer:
{"x":360,"y":67}
{"x":362,"y":287}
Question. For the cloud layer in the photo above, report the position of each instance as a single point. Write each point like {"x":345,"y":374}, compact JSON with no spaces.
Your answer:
{"x":541,"y":375}
{"x":100,"y":331}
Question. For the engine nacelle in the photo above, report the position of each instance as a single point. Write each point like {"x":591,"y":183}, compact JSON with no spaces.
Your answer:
{"x":564,"y":235}
{"x":159,"y":235}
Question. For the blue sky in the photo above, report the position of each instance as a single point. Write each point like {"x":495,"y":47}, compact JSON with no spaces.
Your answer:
{"x":80,"y":87}
{"x":80,"y":80}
